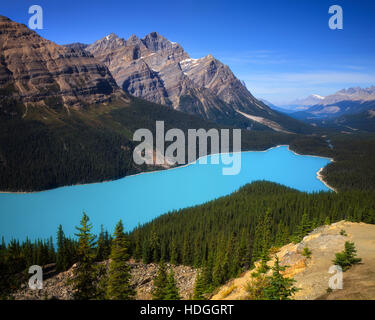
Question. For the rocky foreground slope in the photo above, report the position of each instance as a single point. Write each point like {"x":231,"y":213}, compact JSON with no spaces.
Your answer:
{"x":56,"y":286}
{"x":312,"y":275}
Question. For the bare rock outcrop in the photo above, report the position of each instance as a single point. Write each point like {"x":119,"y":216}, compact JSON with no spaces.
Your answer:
{"x":311,"y":274}
{"x":57,"y":286}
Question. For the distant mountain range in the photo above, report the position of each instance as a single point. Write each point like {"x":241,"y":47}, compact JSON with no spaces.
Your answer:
{"x":350,"y":94}
{"x":306,"y":102}
{"x":347,"y":116}
{"x":279,"y":109}
{"x":348,"y":108}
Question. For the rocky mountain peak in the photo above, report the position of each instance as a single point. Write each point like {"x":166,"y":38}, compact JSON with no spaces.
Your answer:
{"x":156,"y":42}
{"x":42,"y":72}
{"x":112,"y":36}
{"x":133,"y":39}
{"x":160,"y":71}
{"x":351,"y":94}
{"x":108,"y":43}
{"x":76,"y":46}
{"x":3,"y":18}
{"x":153,"y":35}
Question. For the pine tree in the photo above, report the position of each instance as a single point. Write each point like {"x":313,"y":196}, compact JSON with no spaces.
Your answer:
{"x":6,"y":284}
{"x":119,"y":287}
{"x":3,"y":249}
{"x":244,"y":250}
{"x":315,"y":223}
{"x":234,"y":258}
{"x":171,"y":290}
{"x":61,"y":252}
{"x":263,"y":267}
{"x":103,"y":249}
{"x":51,"y":251}
{"x":262,"y":237}
{"x":347,"y":258}
{"x":259,"y":280}
{"x":69,"y":253}
{"x":279,"y":287}
{"x":220,"y":265}
{"x":160,"y":281}
{"x":27,"y":252}
{"x":267,"y":231}
{"x":138,"y":247}
{"x":303,"y":228}
{"x":255,"y":287}
{"x":279,"y":235}
{"x":200,"y":287}
{"x":85,"y":274}
{"x":155,"y":246}
{"x":186,"y":251}
{"x":174,"y":258}
{"x":327,"y":221}
{"x":146,"y":252}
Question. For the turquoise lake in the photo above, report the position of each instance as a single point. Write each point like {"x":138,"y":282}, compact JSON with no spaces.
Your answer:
{"x":140,"y":198}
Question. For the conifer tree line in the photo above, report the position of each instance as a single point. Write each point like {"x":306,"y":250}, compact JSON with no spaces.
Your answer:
{"x":165,"y":287}
{"x":226,"y":236}
{"x":16,"y":257}
{"x":222,"y":238}
{"x":90,"y":279}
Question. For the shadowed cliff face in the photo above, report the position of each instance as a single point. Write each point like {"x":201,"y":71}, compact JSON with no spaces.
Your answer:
{"x":160,"y":71}
{"x":35,"y":70}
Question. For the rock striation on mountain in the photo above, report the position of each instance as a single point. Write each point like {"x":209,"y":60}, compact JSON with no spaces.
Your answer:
{"x":160,"y":71}
{"x":36,"y":70}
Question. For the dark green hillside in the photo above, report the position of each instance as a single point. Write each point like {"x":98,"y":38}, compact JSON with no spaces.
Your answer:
{"x":364,"y":121}
{"x":227,"y":235}
{"x":353,"y":154}
{"x":43,"y":148}
{"x":354,"y":165}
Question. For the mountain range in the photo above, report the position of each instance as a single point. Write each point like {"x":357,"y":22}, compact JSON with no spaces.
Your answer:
{"x":65,"y":120}
{"x":302,"y":104}
{"x":160,"y":71}
{"x":349,"y":94}
{"x":36,"y":71}
{"x":348,"y":109}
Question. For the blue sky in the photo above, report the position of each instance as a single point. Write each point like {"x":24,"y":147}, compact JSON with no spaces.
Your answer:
{"x":282,"y":49}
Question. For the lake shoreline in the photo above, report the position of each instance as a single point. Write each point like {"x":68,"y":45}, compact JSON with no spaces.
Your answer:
{"x":318,"y":174}
{"x":321,"y":178}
